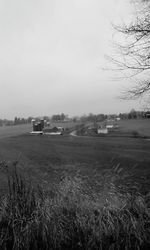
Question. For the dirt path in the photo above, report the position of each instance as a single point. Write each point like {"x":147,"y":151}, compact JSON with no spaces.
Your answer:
{"x":73,"y":133}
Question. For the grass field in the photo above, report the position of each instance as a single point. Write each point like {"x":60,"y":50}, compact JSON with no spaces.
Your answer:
{"x":142,"y":126}
{"x":48,"y":158}
{"x":95,"y":191}
{"x":8,"y":131}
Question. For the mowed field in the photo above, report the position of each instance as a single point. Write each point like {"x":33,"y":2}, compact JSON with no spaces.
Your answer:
{"x":47,"y":159}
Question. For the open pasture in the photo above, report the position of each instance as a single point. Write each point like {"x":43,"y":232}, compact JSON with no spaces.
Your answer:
{"x":8,"y":131}
{"x":141,"y":126}
{"x":133,"y":128}
{"x":47,"y":159}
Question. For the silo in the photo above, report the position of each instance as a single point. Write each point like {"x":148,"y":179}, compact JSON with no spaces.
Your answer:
{"x":33,"y":124}
{"x":39,"y":126}
{"x":42,"y":124}
{"x":48,"y":124}
{"x":35,"y":127}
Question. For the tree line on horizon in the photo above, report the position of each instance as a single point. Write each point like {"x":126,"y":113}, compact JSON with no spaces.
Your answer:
{"x":133,"y":114}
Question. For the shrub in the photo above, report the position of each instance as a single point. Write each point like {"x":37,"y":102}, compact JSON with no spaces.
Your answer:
{"x":135,"y":134}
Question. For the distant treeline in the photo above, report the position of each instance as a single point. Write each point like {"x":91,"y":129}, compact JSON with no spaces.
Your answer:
{"x":133,"y":114}
{"x":16,"y":121}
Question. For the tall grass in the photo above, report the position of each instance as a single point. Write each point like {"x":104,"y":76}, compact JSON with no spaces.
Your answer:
{"x":73,"y":218}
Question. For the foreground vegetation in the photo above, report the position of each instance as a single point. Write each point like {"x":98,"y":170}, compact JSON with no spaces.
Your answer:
{"x":71,"y":216}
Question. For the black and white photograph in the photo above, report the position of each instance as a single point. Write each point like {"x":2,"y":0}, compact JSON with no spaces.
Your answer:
{"x":74,"y":124}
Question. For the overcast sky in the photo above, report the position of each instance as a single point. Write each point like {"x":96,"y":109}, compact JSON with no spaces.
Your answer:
{"x":51,"y":54}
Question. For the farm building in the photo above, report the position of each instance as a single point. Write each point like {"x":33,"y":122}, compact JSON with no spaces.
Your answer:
{"x":97,"y":128}
{"x":101,"y":128}
{"x":53,"y":131}
{"x":102,"y":131}
{"x":37,"y":127}
{"x":111,"y":124}
{"x":43,"y":127}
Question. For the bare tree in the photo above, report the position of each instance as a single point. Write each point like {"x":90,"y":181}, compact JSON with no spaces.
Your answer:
{"x":134,"y":52}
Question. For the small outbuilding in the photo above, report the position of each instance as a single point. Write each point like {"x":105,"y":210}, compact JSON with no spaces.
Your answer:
{"x":102,"y":131}
{"x":53,"y":131}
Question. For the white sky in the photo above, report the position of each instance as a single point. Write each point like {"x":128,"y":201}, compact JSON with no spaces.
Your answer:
{"x":51,"y":54}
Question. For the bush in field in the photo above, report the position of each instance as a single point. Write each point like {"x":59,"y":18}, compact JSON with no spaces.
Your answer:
{"x":135,"y":134}
{"x":74,"y":218}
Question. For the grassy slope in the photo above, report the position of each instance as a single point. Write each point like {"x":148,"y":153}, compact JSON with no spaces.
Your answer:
{"x":142,"y":126}
{"x":47,"y":159}
{"x":8,"y":131}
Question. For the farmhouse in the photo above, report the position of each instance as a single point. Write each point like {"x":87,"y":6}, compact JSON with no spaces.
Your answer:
{"x":101,"y":128}
{"x":111,"y":124}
